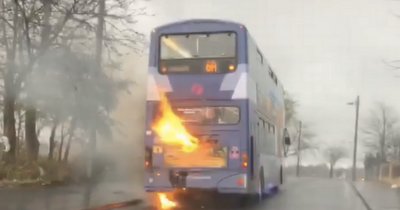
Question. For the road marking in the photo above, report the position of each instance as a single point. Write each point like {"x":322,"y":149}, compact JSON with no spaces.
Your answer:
{"x":367,"y":206}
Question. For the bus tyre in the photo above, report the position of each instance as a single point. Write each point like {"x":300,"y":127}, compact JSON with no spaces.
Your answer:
{"x":262,"y":184}
{"x":281,"y":175}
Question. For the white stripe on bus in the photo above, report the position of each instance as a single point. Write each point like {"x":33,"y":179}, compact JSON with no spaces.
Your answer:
{"x":152,"y":91}
{"x":240,"y":91}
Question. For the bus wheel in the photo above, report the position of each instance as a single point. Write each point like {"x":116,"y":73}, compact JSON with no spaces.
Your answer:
{"x":281,"y":175}
{"x":261,"y":185}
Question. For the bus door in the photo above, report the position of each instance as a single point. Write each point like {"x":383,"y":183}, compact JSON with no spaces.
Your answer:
{"x":274,"y":160}
{"x":252,"y":154}
{"x":258,"y":146}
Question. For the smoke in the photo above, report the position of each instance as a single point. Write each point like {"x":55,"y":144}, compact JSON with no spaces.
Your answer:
{"x":127,"y":146}
{"x":119,"y":162}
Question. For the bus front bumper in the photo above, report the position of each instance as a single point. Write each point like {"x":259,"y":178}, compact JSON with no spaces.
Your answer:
{"x":220,"y":181}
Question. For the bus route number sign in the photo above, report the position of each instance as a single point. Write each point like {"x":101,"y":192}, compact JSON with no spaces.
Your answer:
{"x":211,"y":66}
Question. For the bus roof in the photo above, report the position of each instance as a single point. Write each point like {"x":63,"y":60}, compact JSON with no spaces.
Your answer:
{"x":175,"y":23}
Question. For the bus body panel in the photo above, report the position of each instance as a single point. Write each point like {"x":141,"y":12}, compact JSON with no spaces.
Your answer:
{"x":218,"y":89}
{"x":265,"y":113}
{"x":217,"y":86}
{"x":243,"y":88}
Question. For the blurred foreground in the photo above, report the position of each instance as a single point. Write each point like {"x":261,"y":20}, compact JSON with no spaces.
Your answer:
{"x":348,"y":196}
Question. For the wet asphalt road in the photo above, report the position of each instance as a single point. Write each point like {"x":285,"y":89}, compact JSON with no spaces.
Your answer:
{"x":297,"y":194}
{"x":325,"y":194}
{"x":67,"y":198}
{"x":379,"y":196}
{"x":310,"y":193}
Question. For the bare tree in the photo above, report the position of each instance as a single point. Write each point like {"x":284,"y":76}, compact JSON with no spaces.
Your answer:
{"x":307,"y":143}
{"x":393,"y":145}
{"x":290,"y":108}
{"x":333,"y":155}
{"x":29,"y":29}
{"x":379,"y":128}
{"x":26,"y":34}
{"x":9,"y":39}
{"x":307,"y":136}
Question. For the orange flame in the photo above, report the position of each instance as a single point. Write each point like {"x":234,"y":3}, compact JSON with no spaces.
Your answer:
{"x":165,"y":202}
{"x":170,"y":129}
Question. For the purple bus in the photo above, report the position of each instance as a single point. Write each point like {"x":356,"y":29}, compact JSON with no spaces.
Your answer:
{"x":224,"y":91}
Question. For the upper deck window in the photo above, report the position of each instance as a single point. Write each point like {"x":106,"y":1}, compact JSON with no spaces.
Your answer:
{"x":198,"y":53}
{"x":183,"y":46}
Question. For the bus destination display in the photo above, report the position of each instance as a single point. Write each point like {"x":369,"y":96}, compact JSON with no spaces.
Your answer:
{"x":192,"y":66}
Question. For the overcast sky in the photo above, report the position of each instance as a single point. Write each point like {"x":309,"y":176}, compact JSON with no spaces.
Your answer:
{"x":325,"y":52}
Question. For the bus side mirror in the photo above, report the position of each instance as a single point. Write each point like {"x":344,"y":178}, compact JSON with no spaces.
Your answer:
{"x":287,"y":140}
{"x":287,"y":137}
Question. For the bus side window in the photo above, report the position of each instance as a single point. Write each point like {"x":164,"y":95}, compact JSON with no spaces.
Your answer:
{"x":265,"y":138}
{"x":271,"y":74}
{"x":269,"y":140}
{"x":274,"y":140}
{"x":260,"y":139}
{"x":273,"y":129}
{"x":260,"y":57}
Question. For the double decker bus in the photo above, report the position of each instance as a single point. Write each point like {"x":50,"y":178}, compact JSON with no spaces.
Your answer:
{"x":220,"y":89}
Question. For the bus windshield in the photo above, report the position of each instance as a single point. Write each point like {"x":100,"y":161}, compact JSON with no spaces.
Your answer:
{"x":184,"y":46}
{"x":208,"y":115}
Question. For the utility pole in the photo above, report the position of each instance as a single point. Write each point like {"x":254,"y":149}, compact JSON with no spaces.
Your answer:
{"x":354,"y":172}
{"x":97,"y":67}
{"x":298,"y":150}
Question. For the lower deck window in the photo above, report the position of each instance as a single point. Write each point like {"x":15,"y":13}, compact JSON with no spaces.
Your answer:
{"x":208,"y":115}
{"x":205,"y":115}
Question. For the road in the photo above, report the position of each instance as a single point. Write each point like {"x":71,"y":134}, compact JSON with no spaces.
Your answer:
{"x":297,"y":194}
{"x":379,"y":196}
{"x":66,"y":198}
{"x":311,"y":193}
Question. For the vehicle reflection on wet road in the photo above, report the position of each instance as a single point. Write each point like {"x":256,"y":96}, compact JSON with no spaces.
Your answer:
{"x":311,"y":193}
